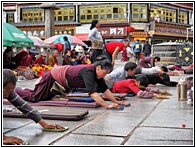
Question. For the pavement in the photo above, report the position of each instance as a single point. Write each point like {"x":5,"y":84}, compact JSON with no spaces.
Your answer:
{"x":147,"y":122}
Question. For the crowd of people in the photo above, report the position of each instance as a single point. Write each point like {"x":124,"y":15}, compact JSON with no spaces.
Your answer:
{"x":93,"y":71}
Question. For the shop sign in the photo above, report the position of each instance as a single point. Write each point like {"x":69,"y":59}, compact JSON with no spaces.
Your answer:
{"x":139,"y":34}
{"x":113,"y":31}
{"x":172,"y":31}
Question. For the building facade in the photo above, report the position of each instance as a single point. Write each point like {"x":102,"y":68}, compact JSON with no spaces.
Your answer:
{"x":157,"y":22}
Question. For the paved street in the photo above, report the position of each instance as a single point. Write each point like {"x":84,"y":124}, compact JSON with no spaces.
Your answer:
{"x":146,"y":122}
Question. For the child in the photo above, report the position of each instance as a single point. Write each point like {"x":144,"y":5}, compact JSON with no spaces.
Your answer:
{"x":138,"y":86}
{"x":124,"y":55}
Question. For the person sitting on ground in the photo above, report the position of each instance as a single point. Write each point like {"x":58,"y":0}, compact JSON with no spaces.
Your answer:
{"x":86,"y":58}
{"x":120,"y":73}
{"x":20,"y":58}
{"x":7,"y":59}
{"x":52,"y":59}
{"x":70,"y":77}
{"x":31,"y":59}
{"x":155,"y":78}
{"x":147,"y":62}
{"x":9,"y":84}
{"x":67,"y":58}
{"x":137,"y":86}
{"x":41,"y":59}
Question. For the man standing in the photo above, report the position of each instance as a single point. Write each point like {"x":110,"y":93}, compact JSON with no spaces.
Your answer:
{"x":137,"y":47}
{"x":147,"y":49}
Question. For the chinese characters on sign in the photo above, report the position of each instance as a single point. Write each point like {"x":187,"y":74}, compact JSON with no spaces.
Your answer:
{"x":41,"y":33}
{"x":113,"y":31}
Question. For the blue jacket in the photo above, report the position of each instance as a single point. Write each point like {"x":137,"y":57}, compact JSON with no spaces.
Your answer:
{"x":137,"y":44}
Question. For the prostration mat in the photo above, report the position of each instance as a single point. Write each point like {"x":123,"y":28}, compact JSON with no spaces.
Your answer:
{"x":61,"y":102}
{"x":65,"y":114}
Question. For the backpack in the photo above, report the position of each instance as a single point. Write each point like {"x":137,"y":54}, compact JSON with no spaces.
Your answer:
{"x":137,"y":46}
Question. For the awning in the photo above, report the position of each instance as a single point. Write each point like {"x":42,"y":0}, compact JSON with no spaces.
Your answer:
{"x":83,"y":36}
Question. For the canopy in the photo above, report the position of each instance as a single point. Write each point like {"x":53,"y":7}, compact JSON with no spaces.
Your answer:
{"x":12,"y":36}
{"x":59,"y":38}
{"x":37,"y":41}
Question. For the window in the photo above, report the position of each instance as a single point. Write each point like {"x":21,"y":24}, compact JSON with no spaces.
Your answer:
{"x":89,"y":17}
{"x":165,"y":14}
{"x":32,"y":15}
{"x":123,"y":15}
{"x":103,"y":12}
{"x":109,"y":16}
{"x":82,"y":11}
{"x":65,"y":18}
{"x":10,"y":17}
{"x":82,"y":17}
{"x":95,"y":16}
{"x":66,"y":13}
{"x":59,"y":18}
{"x":71,"y":18}
{"x":139,"y":12}
{"x":115,"y":10}
{"x":116,"y":16}
{"x":183,"y":16}
{"x":102,"y":16}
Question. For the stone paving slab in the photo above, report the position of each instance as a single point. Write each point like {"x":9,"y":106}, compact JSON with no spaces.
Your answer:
{"x":145,"y":135}
{"x":93,"y":140}
{"x":108,"y":124}
{"x":158,"y":143}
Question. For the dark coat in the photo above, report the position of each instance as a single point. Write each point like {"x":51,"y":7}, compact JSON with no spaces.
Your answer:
{"x":154,"y":79}
{"x":147,"y":48}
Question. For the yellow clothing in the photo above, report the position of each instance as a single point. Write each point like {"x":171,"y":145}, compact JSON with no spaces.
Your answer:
{"x":52,"y":60}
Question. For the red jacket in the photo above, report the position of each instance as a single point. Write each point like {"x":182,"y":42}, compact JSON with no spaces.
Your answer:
{"x":125,"y":86}
{"x":40,"y":61}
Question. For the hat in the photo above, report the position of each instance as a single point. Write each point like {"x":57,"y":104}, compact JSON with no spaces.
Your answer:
{"x":43,"y":54}
{"x":33,"y":51}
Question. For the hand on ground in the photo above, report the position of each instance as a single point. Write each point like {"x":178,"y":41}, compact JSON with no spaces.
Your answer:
{"x":161,"y":97}
{"x":166,"y":93}
{"x":12,"y":140}
{"x":114,"y":105}
{"x":53,"y":126}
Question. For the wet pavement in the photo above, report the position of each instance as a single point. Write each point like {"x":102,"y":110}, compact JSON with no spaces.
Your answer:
{"x":149,"y":122}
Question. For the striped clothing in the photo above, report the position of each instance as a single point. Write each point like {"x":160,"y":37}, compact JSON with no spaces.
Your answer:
{"x":24,"y":107}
